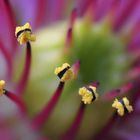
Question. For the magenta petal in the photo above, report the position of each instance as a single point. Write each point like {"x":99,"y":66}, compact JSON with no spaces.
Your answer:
{"x":7,"y":27}
{"x":123,"y":12}
{"x":40,"y":12}
{"x":135,"y":42}
{"x":102,"y":7}
{"x":8,"y":60}
{"x":73,"y":17}
{"x":82,"y":6}
{"x":25,"y":10}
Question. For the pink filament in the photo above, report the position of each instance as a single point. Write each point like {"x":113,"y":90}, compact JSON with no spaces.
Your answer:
{"x":43,"y":116}
{"x":17,"y":100}
{"x":105,"y":130}
{"x":24,"y":78}
{"x":71,"y":133}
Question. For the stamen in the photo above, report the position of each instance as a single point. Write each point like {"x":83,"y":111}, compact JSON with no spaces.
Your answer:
{"x":13,"y":97}
{"x":122,"y":106}
{"x":72,"y":131}
{"x":43,"y":116}
{"x":25,"y":75}
{"x":2,"y":85}
{"x":24,"y":35}
{"x":64,"y":72}
{"x":88,"y":94}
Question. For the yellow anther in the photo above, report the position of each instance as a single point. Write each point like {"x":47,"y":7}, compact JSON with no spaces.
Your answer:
{"x":24,"y":34}
{"x":64,"y":72}
{"x":127,"y":105}
{"x":122,"y":106}
{"x":88,"y":94}
{"x":2,"y":84}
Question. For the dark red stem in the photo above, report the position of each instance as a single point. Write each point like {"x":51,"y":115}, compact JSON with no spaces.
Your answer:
{"x":43,"y":116}
{"x":25,"y":75}
{"x":104,"y":132}
{"x":72,"y":131}
{"x":16,"y":100}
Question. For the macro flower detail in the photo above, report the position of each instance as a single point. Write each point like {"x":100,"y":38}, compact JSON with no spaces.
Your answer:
{"x":98,"y":41}
{"x":24,"y":34}
{"x":2,"y":84}
{"x":64,"y":72}
{"x":122,"y":106}
{"x":88,"y":94}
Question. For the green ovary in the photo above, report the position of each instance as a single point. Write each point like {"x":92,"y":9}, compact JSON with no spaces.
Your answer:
{"x":103,"y":59}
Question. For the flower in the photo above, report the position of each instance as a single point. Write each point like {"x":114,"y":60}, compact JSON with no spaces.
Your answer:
{"x":101,"y":41}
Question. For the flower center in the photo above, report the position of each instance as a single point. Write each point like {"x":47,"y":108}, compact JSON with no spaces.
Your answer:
{"x":101,"y":52}
{"x":102,"y":55}
{"x":103,"y":59}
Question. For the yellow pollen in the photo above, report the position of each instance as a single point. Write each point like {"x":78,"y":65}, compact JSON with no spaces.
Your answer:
{"x":121,"y":108}
{"x":64,"y":72}
{"x":2,"y":84}
{"x":24,"y":34}
{"x":87,"y":95}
